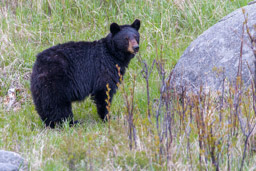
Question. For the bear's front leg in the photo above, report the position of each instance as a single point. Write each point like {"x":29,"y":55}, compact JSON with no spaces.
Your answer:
{"x":100,"y":100}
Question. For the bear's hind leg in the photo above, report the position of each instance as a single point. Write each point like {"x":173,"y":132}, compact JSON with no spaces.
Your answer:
{"x":57,"y":114}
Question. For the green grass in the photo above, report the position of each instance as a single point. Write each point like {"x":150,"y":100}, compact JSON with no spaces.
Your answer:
{"x":167,"y":28}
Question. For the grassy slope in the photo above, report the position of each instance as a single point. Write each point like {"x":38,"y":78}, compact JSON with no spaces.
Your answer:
{"x":27,"y":28}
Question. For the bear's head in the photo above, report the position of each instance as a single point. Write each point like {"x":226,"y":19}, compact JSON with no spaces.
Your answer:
{"x":126,"y":38}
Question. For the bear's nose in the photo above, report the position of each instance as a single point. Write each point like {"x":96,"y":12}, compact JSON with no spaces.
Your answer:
{"x":136,"y":48}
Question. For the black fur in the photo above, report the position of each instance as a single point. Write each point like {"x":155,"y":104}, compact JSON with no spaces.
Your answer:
{"x":71,"y":71}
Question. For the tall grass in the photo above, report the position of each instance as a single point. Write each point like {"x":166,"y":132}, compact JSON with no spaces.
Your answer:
{"x":195,"y":138}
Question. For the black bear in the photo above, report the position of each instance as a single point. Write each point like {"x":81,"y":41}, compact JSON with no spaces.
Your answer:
{"x":71,"y":71}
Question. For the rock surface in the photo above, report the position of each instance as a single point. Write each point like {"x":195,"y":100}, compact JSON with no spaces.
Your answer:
{"x":8,"y":167}
{"x":215,"y":51}
{"x":10,"y":161}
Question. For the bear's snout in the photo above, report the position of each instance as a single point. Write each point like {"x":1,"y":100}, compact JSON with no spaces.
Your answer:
{"x":136,"y":48}
{"x":133,"y":46}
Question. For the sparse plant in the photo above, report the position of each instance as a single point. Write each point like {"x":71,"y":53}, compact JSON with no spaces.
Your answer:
{"x":129,"y":107}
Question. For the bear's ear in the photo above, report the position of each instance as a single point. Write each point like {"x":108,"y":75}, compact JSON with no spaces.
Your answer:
{"x":136,"y":24}
{"x":114,"y":28}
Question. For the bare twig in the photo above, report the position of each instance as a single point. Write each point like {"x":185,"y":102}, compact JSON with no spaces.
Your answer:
{"x":146,"y":72}
{"x":243,"y":126}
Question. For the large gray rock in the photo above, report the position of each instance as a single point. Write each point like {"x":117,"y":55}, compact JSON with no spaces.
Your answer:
{"x":216,"y":50}
{"x":8,"y":167}
{"x":10,"y":161}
